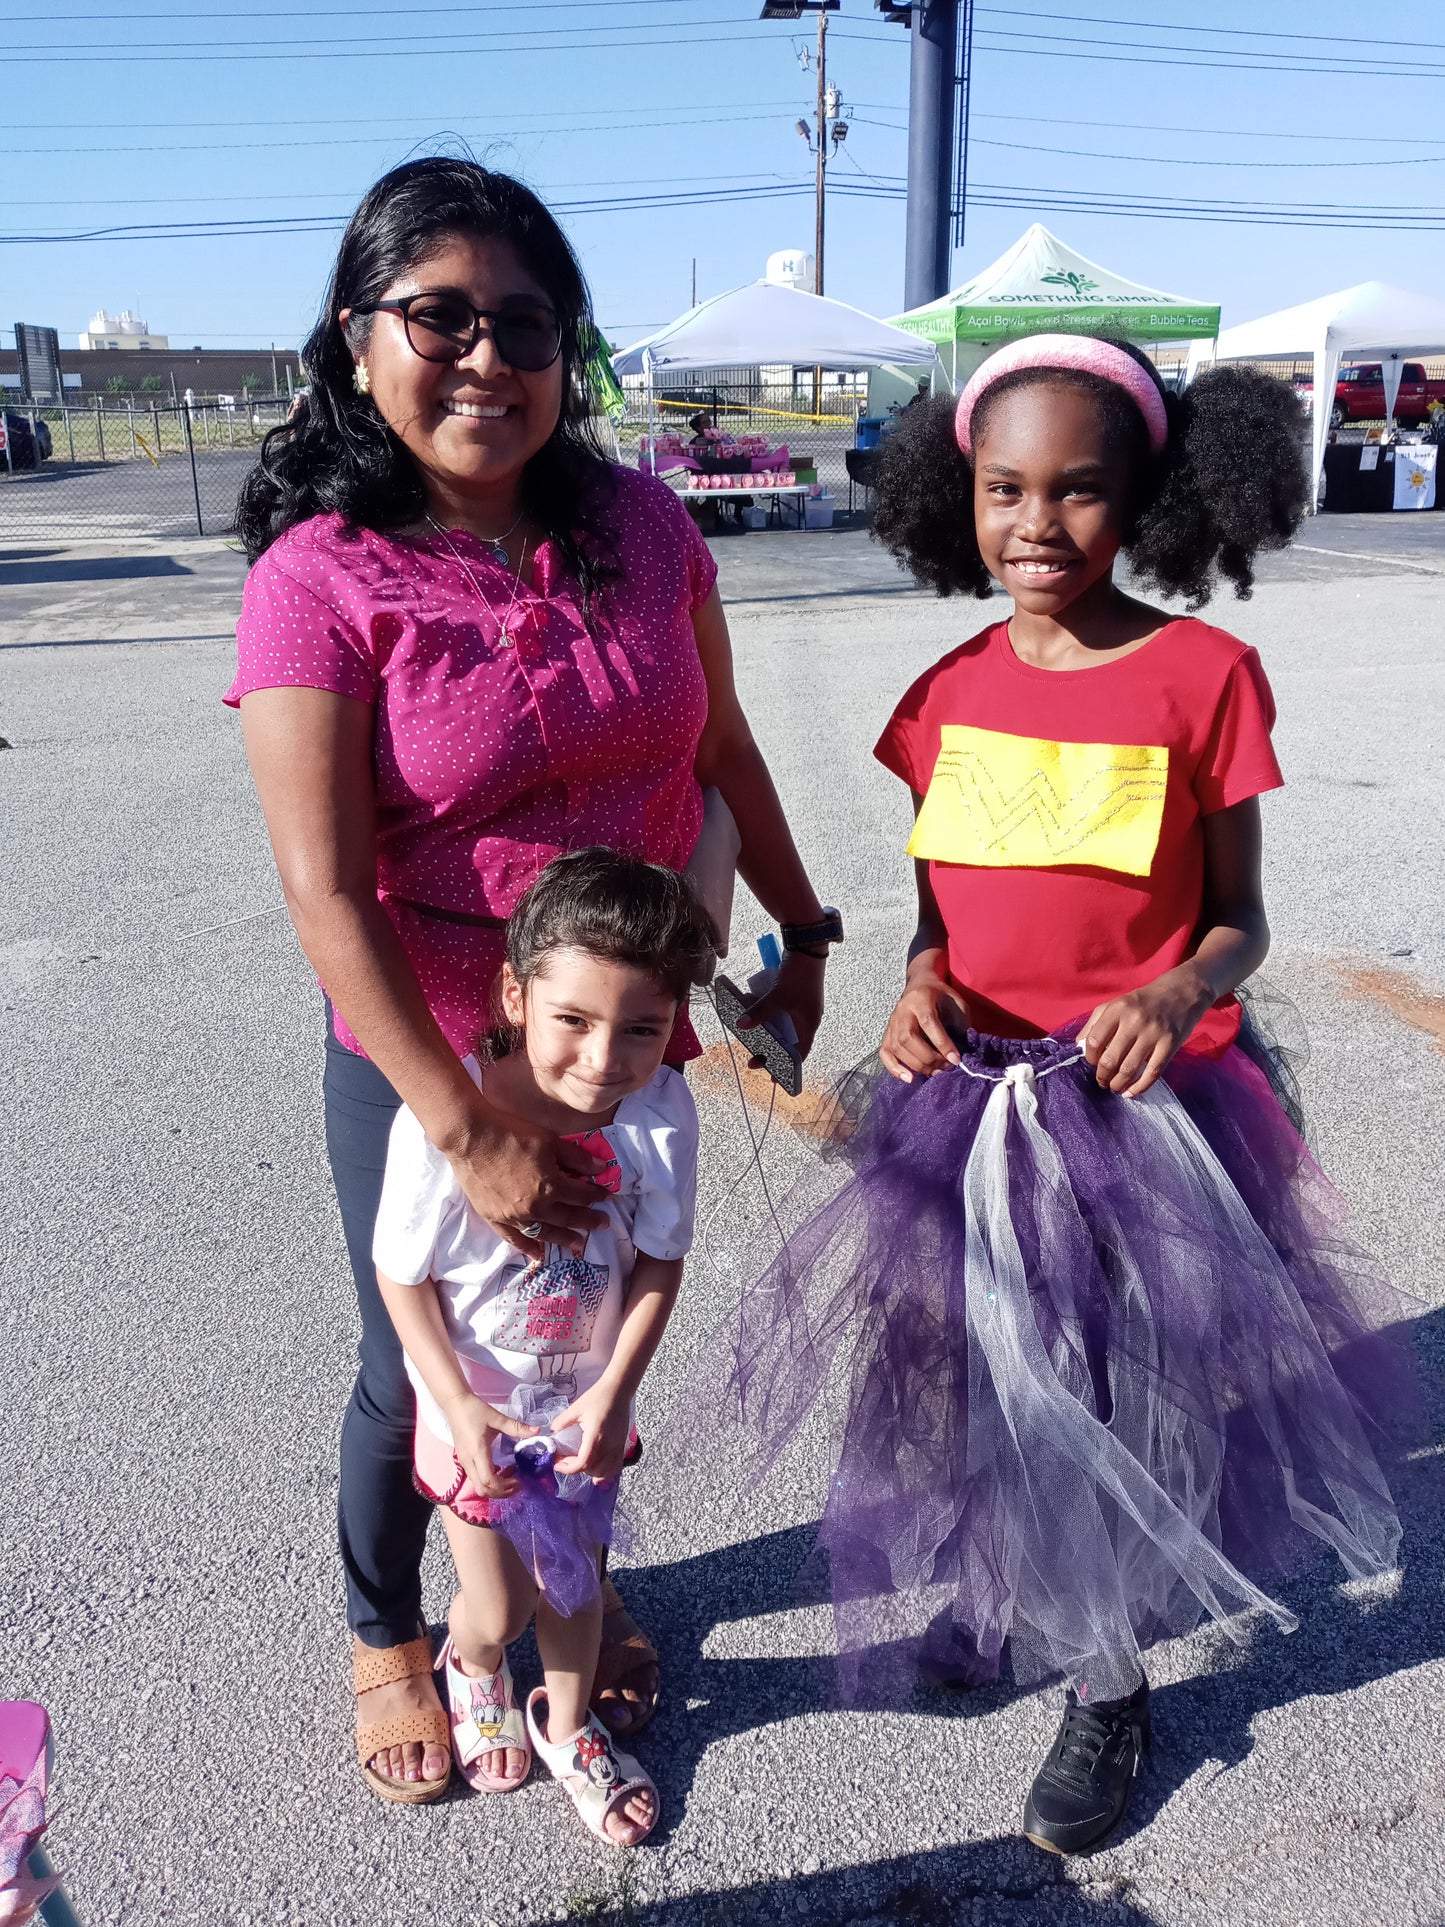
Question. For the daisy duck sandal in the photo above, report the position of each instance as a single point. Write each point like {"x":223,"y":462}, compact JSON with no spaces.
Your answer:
{"x":598,"y":1779}
{"x":485,"y":1719}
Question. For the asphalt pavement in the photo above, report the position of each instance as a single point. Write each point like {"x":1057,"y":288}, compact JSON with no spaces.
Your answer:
{"x":178,"y":1323}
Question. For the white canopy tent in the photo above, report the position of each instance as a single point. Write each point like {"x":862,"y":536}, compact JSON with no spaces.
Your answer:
{"x":768,"y":324}
{"x":1371,"y":322}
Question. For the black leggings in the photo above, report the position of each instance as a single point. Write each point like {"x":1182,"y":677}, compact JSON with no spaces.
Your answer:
{"x":381,"y":1516}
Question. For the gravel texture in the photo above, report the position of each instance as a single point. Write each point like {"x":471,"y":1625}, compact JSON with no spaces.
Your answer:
{"x":178,"y":1327}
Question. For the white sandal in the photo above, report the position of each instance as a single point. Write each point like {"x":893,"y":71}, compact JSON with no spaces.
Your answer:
{"x":593,"y":1773}
{"x":485,"y":1719}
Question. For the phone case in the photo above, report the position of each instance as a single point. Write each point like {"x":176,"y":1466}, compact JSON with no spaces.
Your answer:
{"x":782,"y":1061}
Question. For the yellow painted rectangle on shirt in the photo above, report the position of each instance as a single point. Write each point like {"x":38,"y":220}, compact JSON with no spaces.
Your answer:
{"x":1023,"y":803}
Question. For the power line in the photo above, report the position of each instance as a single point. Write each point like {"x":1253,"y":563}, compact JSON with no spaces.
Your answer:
{"x":567,"y":116}
{"x":1339,"y":215}
{"x":110,"y":56}
{"x":729,"y":111}
{"x":1227,"y":61}
{"x":1236,"y":213}
{"x":353,"y":13}
{"x":1245,"y":62}
{"x":436,"y":136}
{"x":262,"y":200}
{"x":452,"y":41}
{"x":1163,"y":26}
{"x":1170,"y":160}
{"x":1218,"y":133}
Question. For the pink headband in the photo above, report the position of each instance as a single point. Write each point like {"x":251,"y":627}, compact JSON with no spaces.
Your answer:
{"x":1080,"y":352}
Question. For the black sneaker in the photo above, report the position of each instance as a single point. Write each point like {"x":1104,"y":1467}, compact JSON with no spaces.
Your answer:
{"x":1080,"y":1792}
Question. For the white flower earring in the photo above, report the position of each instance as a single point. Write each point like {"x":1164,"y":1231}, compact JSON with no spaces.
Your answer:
{"x":362,"y":379}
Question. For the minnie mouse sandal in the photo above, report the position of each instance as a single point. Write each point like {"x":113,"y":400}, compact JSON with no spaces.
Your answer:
{"x":485,"y":1719}
{"x":379,"y":1666}
{"x":597,"y":1778}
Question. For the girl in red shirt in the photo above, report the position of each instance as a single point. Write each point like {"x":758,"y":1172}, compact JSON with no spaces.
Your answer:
{"x":1106,"y":1353}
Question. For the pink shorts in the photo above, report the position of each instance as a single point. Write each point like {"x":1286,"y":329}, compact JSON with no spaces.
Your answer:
{"x":437,"y":1474}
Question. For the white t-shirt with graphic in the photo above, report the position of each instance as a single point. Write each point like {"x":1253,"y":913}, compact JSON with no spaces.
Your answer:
{"x":554,"y":1320}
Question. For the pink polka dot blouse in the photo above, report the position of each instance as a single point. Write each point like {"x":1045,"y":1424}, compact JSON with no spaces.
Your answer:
{"x":505,"y":732}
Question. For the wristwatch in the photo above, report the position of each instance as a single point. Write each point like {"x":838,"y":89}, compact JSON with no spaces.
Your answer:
{"x":812,"y":939}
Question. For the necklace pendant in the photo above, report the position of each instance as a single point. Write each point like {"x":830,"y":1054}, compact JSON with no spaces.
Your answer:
{"x":497,"y":552}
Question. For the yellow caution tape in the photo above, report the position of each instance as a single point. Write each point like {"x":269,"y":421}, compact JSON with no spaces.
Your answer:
{"x":773,"y":414}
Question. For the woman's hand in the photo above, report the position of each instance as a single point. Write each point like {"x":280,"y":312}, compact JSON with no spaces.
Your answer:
{"x":516,"y":1176}
{"x":798,"y":993}
{"x":916,"y":1042}
{"x":1130,"y":1039}
{"x":474,"y":1424}
{"x":604,"y":1411}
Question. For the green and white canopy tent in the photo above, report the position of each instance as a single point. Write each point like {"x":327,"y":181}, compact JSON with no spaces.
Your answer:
{"x":1042,"y":286}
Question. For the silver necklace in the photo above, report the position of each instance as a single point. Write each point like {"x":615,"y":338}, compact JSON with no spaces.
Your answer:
{"x":495,"y":545}
{"x":504,"y":640}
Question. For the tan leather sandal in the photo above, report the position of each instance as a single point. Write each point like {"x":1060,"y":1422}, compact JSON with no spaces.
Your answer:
{"x":626,"y":1651}
{"x":380,"y":1666}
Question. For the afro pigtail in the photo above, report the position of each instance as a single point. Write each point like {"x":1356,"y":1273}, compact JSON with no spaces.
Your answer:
{"x":924,"y":511}
{"x":1233,"y":482}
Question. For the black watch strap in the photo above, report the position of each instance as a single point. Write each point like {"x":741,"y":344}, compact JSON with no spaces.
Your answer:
{"x":807,"y":936}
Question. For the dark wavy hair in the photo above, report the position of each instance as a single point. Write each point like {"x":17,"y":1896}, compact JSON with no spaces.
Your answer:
{"x":616,"y":907}
{"x":1233,"y":480}
{"x":337,"y":455}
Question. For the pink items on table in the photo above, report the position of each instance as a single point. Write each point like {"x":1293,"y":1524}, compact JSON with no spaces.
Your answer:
{"x":25,"y":1876}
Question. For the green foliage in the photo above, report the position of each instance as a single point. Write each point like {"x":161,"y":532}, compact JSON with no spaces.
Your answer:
{"x":252,"y":383}
{"x":117,"y":385}
{"x":151,"y":385}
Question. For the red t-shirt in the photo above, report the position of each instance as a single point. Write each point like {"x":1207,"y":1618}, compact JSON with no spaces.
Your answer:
{"x":1061,"y":814}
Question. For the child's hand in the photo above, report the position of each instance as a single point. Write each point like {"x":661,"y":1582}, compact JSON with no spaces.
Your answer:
{"x":916,"y":1043}
{"x":474,"y":1425}
{"x":605,"y":1414}
{"x":1131,"y":1039}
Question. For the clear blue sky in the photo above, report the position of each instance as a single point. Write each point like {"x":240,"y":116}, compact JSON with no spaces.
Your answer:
{"x":151,"y":113}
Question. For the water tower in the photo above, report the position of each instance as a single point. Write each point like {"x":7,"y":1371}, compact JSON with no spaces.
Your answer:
{"x":790,"y":268}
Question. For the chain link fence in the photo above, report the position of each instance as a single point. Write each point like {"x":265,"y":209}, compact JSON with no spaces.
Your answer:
{"x":129,"y":468}
{"x":114,"y":468}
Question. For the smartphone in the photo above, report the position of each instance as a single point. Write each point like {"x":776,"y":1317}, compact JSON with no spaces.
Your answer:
{"x":780,"y":1055}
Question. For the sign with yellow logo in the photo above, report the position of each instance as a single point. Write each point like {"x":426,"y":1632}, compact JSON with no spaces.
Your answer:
{"x":1021,"y":802}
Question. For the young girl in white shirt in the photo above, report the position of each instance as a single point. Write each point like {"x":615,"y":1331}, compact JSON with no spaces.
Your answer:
{"x":502,"y":1348}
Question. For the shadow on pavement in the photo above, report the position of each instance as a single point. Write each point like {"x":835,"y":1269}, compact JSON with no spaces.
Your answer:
{"x":1344,"y":1642}
{"x":995,"y":1883}
{"x":107,"y":568}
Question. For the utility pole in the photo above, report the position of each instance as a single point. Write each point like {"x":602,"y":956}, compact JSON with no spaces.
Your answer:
{"x":828,"y":120}
{"x":821,"y":188}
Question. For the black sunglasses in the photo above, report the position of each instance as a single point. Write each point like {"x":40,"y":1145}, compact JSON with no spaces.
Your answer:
{"x":444,"y":326}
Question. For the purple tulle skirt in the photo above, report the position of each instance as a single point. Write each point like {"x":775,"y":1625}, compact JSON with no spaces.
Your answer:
{"x":560,"y":1540}
{"x":558,"y":1527}
{"x":1090,"y":1369}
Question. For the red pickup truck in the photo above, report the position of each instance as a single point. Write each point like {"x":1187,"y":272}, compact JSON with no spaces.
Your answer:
{"x":1360,"y":394}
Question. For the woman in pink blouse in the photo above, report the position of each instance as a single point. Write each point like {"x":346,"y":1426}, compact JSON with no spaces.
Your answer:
{"x":468,"y":642}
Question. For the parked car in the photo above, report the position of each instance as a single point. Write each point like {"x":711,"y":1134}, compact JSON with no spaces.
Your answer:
{"x":28,"y":447}
{"x":1360,"y":394}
